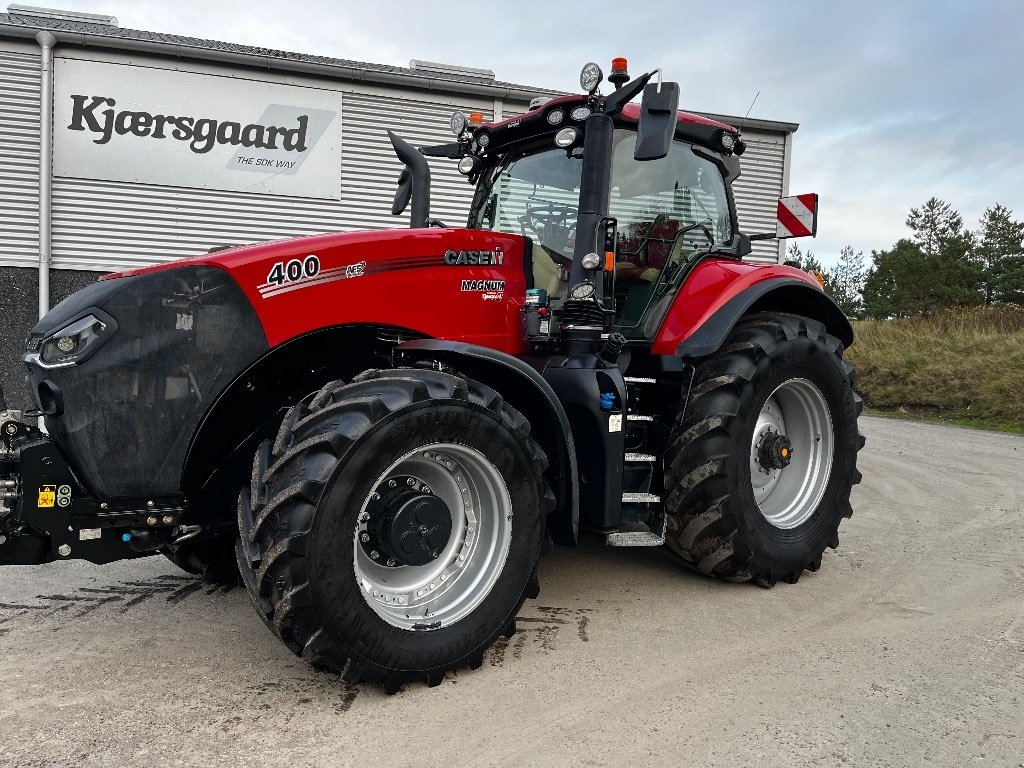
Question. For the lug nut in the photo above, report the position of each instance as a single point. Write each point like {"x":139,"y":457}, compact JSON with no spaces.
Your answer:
{"x":151,"y":520}
{"x":103,"y":505}
{"x":168,"y":519}
{"x":375,"y":496}
{"x":391,"y":562}
{"x":435,"y":554}
{"x":364,"y":537}
{"x":392,"y":483}
{"x":374,"y":555}
{"x":410,"y":481}
{"x":63,"y":550}
{"x":150,"y":504}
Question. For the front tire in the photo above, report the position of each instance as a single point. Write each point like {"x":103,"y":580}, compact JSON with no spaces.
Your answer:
{"x":760,"y":465}
{"x":393,"y":527}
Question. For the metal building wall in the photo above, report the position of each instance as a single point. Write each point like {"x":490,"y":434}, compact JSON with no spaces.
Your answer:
{"x":19,"y":154}
{"x":105,"y":225}
{"x":109,"y":225}
{"x":761,"y":183}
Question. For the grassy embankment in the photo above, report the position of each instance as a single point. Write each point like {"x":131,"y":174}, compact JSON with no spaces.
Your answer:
{"x":963,"y":366}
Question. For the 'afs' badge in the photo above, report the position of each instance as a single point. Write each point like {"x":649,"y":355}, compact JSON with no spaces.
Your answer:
{"x":493,"y":258}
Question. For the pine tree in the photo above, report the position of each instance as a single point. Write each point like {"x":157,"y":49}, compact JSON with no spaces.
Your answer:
{"x":934,"y":224}
{"x":898,"y":283}
{"x":846,"y":281}
{"x":1001,"y":252}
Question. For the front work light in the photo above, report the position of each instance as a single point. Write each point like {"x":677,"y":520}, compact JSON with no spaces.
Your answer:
{"x":590,"y":77}
{"x":555,"y":116}
{"x":458,"y":122}
{"x":566,"y":137}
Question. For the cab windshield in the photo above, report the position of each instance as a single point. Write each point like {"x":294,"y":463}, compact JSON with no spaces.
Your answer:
{"x":667,"y":211}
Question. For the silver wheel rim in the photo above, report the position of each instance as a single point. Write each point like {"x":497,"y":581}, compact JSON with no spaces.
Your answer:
{"x":787,"y":497}
{"x":451,"y":586}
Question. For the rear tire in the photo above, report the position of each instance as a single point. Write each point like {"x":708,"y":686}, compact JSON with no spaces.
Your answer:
{"x":731,"y":512}
{"x":308,"y":525}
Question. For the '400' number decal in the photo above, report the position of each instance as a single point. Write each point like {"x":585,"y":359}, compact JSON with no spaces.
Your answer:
{"x":294,"y":270}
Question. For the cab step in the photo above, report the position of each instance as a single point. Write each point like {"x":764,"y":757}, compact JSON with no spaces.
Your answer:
{"x":636,"y":535}
{"x":638,"y":458}
{"x":638,"y":417}
{"x":640,"y":498}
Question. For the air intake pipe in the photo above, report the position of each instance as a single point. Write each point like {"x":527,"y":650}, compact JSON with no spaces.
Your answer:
{"x":414,"y":185}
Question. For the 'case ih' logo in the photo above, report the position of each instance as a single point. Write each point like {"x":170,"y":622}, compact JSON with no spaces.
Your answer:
{"x":493,"y":258}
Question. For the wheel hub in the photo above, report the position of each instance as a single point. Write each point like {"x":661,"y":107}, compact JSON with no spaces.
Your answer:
{"x":407,"y":525}
{"x":776,"y":451}
{"x":432,"y":536}
{"x":788,"y":483}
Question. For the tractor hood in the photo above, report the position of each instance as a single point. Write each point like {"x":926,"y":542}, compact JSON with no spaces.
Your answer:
{"x":125,"y":369}
{"x":412,"y":278}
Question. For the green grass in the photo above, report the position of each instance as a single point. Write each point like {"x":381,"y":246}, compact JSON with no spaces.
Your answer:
{"x":992,"y":425}
{"x":963,"y":366}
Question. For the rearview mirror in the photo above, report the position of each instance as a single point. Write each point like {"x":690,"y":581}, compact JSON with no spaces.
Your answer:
{"x":657,"y":121}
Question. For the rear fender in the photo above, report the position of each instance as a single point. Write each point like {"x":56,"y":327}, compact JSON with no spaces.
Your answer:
{"x":526,"y":391}
{"x":717,"y":294}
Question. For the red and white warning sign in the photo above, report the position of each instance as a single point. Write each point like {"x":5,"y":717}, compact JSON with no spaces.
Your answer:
{"x":797,"y":216}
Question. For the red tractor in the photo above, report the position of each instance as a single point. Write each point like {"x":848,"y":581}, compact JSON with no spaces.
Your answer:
{"x":382,"y":432}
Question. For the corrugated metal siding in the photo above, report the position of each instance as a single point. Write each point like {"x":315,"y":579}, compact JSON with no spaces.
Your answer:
{"x":758,"y":188}
{"x":116,"y":225}
{"x":369,"y":166}
{"x":19,"y":159}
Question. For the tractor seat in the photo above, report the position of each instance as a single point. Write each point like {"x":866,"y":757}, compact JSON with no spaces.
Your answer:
{"x":547,"y":275}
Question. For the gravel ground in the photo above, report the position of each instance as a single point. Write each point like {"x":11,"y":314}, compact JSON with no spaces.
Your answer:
{"x":907,"y":648}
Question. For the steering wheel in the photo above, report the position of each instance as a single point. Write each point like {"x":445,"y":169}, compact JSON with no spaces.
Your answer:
{"x":552,"y":224}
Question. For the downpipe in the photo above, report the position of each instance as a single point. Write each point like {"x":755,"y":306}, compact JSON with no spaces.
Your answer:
{"x":46,"y":43}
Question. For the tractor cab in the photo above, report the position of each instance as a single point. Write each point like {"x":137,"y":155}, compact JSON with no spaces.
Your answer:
{"x":666,"y":212}
{"x":617,"y":201}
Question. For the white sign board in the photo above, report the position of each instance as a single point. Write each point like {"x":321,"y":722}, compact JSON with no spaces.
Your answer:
{"x":118,"y":122}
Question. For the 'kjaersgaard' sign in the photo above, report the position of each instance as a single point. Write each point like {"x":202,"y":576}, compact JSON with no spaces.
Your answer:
{"x":155,"y":126}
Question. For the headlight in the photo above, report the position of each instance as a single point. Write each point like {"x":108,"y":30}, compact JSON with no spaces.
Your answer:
{"x":566,"y":137}
{"x":72,"y":342}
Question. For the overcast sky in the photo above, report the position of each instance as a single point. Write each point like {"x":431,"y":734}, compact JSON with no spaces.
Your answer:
{"x":897,"y":101}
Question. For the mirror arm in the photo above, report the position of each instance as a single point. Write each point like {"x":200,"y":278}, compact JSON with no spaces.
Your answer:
{"x":620,"y":98}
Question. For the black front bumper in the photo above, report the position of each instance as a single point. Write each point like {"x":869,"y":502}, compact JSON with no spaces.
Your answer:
{"x":48,"y":515}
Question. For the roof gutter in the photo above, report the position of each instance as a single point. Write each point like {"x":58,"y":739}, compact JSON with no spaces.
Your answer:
{"x":275,"y":63}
